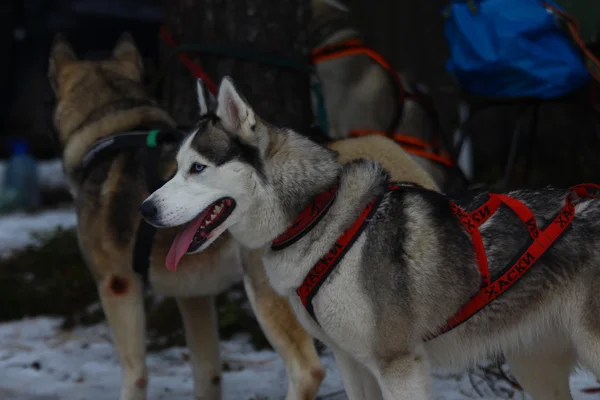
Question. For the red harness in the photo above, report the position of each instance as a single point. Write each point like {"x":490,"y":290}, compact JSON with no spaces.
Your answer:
{"x":412,"y":145}
{"x":541,"y":240}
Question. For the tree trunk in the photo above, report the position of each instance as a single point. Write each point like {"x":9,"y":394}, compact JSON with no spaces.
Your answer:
{"x":280,"y":96}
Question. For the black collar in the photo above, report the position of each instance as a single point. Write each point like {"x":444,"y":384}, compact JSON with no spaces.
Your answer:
{"x":140,"y":137}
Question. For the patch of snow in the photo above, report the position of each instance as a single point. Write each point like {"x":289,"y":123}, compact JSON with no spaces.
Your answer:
{"x":16,"y":229}
{"x":40,"y":362}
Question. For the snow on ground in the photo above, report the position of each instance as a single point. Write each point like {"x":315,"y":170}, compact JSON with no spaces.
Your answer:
{"x":40,"y":362}
{"x":16,"y":229}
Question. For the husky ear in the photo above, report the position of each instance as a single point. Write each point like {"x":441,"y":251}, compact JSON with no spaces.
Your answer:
{"x":61,"y":54}
{"x":206,"y":100}
{"x":126,"y":51}
{"x":235,"y":113}
{"x":337,"y":4}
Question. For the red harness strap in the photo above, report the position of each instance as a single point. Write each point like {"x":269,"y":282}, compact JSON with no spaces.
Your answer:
{"x":412,"y":145}
{"x":306,"y":220}
{"x":541,"y":240}
{"x":193,"y":67}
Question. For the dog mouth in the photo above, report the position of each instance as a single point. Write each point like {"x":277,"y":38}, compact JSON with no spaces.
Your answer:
{"x":199,"y":230}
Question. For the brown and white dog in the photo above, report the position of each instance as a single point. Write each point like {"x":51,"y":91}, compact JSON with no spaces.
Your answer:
{"x":96,"y":99}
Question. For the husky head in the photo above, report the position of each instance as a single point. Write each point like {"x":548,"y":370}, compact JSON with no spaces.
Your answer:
{"x":239,"y":173}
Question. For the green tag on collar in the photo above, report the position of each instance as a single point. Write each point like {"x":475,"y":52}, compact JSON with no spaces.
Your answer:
{"x":151,"y":138}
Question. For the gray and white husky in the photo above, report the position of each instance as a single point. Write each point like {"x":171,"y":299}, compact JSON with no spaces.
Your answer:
{"x":410,"y":269}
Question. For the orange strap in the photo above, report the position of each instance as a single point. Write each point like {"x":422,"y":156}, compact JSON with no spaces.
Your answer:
{"x":348,"y":48}
{"x":354,"y":47}
{"x":412,"y":145}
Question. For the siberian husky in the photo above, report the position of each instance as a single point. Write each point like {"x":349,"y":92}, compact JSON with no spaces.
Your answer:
{"x":96,"y":100}
{"x":406,"y":274}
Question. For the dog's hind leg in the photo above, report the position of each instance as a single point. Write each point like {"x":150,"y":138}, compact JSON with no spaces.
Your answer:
{"x":543,"y":372}
{"x":359,"y":382}
{"x":202,"y":336}
{"x":585,"y":335}
{"x":283,"y":331}
{"x":404,"y":376}
{"x":121,"y":296}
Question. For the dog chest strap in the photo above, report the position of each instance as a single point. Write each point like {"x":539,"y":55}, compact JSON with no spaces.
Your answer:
{"x":326,"y":264}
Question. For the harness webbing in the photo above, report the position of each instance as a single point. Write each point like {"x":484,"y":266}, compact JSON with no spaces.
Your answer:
{"x":111,"y":146}
{"x":430,"y":151}
{"x":356,"y":47}
{"x":412,"y":145}
{"x":540,"y":241}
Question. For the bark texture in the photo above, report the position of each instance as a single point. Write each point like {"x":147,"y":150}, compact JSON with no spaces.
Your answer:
{"x":278,"y":28}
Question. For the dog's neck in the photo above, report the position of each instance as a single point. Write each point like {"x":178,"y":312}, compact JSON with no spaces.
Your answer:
{"x":296,"y":170}
{"x":80,"y":141}
{"x":359,"y":183}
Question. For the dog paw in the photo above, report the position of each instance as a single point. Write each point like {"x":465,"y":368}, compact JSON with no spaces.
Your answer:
{"x":307,"y":385}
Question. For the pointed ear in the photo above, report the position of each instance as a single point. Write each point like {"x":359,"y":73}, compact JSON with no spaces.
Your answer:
{"x":235,"y":113}
{"x":207,"y":102}
{"x":61,"y":54}
{"x":126,"y":51}
{"x":337,"y":4}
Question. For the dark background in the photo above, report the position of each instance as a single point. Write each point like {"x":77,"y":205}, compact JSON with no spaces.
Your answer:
{"x":26,"y":31}
{"x":408,"y":33}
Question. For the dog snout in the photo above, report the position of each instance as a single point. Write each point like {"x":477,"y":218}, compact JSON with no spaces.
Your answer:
{"x":148,"y":210}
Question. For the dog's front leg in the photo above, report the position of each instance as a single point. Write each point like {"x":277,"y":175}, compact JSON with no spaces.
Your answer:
{"x":283,"y":331}
{"x":404,"y":376}
{"x":359,"y":382}
{"x":121,"y":296}
{"x":202,"y":336}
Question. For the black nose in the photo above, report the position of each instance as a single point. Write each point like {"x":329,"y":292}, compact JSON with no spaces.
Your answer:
{"x":148,"y":209}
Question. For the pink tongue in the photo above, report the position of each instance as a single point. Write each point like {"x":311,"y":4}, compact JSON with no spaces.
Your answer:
{"x":182,"y":241}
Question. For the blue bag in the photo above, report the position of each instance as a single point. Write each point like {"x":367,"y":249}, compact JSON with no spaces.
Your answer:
{"x":510,"y":49}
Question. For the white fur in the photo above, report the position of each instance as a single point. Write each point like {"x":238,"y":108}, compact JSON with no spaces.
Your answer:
{"x":202,"y":101}
{"x":196,"y":192}
{"x":543,"y":349}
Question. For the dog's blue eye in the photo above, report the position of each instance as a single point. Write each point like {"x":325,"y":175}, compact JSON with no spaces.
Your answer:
{"x":196,"y":168}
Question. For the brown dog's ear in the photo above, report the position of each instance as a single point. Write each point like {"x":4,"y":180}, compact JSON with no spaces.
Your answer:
{"x":126,"y":51}
{"x":61,"y":54}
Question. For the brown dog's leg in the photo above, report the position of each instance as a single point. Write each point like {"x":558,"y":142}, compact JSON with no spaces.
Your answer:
{"x":201,"y":332}
{"x":283,"y":331}
{"x":122,"y":301}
